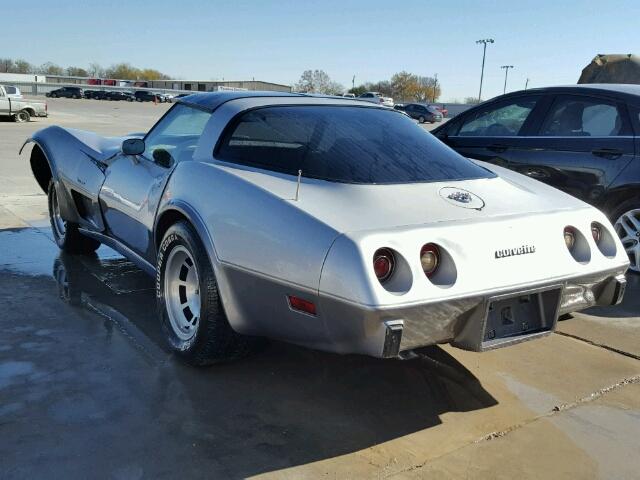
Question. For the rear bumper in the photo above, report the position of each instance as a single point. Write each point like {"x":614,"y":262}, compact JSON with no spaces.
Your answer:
{"x":385,"y":332}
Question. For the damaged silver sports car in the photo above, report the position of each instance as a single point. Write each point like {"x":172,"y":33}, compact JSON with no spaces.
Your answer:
{"x":326,"y":222}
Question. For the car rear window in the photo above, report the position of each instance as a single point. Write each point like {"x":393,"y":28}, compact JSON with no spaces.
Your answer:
{"x":344,"y":144}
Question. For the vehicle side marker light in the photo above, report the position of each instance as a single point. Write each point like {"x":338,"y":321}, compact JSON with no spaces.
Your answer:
{"x":302,"y":305}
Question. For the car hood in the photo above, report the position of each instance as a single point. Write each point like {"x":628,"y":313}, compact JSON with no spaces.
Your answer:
{"x":354,"y":207}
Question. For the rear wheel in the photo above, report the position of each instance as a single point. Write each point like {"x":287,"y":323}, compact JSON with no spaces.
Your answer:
{"x":189,"y":304}
{"x":626,"y":220}
{"x":65,"y":233}
{"x":22,"y":116}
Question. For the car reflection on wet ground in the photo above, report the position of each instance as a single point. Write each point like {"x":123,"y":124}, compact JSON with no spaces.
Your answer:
{"x":87,"y":385}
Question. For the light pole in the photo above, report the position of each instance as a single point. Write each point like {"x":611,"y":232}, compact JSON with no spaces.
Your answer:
{"x":353,"y":82}
{"x":484,"y":53}
{"x":435,"y":86}
{"x":506,"y":73}
{"x":526,"y":84}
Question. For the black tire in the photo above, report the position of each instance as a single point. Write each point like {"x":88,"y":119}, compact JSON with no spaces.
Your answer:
{"x":68,"y":238}
{"x":421,"y":119}
{"x":53,"y":95}
{"x":627,"y":206}
{"x":22,"y":117}
{"x":214,"y":340}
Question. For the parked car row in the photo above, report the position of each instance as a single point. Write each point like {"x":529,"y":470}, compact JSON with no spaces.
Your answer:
{"x":126,"y":95}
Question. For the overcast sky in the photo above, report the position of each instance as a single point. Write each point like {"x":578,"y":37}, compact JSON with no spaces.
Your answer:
{"x":547,"y":41}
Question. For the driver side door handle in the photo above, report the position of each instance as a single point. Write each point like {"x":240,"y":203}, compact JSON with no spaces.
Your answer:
{"x":610,"y":153}
{"x":498,"y":147}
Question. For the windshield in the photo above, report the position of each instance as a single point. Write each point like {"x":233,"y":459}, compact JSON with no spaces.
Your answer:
{"x":343,"y":144}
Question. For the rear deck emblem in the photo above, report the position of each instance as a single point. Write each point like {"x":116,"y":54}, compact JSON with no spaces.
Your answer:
{"x":461,"y":198}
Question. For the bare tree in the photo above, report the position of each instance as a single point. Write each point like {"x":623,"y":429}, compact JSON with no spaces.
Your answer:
{"x":96,"y":70}
{"x":6,"y":65}
{"x":317,"y":81}
{"x":428,"y":89}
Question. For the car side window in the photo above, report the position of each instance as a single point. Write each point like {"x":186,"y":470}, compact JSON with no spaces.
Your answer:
{"x":176,"y":134}
{"x":504,"y":120}
{"x":582,"y":117}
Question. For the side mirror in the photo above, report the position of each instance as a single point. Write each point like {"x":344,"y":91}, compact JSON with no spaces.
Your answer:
{"x":133,"y":146}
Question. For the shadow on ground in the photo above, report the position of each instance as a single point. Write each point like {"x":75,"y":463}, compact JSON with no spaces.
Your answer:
{"x":87,"y":385}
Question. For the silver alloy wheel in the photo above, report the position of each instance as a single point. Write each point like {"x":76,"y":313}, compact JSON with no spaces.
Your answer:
{"x":627,"y":227}
{"x":182,"y":293}
{"x":58,"y":222}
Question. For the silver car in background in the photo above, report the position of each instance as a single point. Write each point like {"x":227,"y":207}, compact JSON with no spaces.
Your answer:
{"x":326,"y":222}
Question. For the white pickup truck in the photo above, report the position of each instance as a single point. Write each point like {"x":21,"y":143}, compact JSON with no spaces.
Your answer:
{"x":20,"y":109}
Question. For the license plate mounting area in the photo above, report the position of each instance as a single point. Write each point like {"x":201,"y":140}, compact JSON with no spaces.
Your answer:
{"x":519,"y":316}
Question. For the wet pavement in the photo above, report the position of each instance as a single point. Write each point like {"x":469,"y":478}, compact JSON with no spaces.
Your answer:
{"x":88,"y":388}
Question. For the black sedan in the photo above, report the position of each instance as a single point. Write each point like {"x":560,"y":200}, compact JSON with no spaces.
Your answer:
{"x":583,"y":139}
{"x":422,"y":113}
{"x":119,"y":95}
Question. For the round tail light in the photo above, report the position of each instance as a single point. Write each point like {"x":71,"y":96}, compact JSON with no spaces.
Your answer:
{"x":430,"y":259}
{"x":383,"y":264}
{"x":596,"y":231}
{"x":569,"y":237}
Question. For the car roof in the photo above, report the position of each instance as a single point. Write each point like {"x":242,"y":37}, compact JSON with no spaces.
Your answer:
{"x":212,"y":100}
{"x":616,"y":89}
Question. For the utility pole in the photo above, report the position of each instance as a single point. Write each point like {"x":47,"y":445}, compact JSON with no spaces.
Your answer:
{"x":435,"y":86}
{"x":353,"y":82}
{"x":506,"y":73}
{"x":526,"y":84}
{"x":484,"y":54}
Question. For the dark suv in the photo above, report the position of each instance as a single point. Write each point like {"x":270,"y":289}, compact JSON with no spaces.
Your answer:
{"x":67,"y":92}
{"x":146,"y":96}
{"x":583,"y":139}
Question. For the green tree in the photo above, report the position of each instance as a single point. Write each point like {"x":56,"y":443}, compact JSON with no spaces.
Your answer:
{"x":151,"y":74}
{"x":22,"y":66}
{"x":123,"y":71}
{"x":50,"y":69}
{"x":471,"y":100}
{"x":404,"y":85}
{"x":77,"y":72}
{"x":359,"y":90}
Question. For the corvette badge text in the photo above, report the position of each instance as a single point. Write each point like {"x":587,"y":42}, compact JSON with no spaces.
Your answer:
{"x":510,"y":252}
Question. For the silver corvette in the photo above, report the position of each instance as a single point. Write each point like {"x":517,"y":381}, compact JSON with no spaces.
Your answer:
{"x":325,"y":222}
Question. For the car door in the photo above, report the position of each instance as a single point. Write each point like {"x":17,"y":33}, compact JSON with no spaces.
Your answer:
{"x":496,"y":132}
{"x":5,"y":104}
{"x":582,"y":143}
{"x":134,"y":184}
{"x":410,"y":110}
